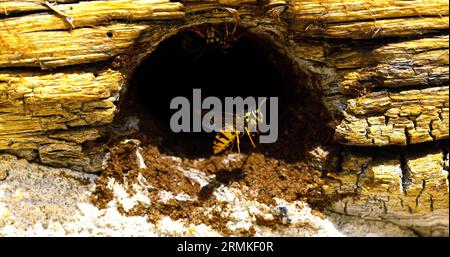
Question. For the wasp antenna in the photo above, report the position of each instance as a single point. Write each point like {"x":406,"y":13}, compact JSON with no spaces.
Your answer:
{"x":250,"y":137}
{"x":55,"y":9}
{"x":238,"y":142}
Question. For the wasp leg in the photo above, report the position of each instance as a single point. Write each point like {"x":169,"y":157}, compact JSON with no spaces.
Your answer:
{"x":236,"y":17}
{"x":232,"y":145}
{"x":204,"y":50}
{"x":198,"y":32}
{"x":250,"y":137}
{"x":226,"y":30}
{"x":238,"y":142}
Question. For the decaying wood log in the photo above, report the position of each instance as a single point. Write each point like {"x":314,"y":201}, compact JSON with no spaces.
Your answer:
{"x":363,"y":56}
{"x":421,"y":62}
{"x":10,"y":7}
{"x":381,"y":67}
{"x":39,"y":113}
{"x":360,"y":10}
{"x":368,"y":19}
{"x":400,"y":186}
{"x":93,"y":13}
{"x":406,"y":117}
{"x":63,"y":48}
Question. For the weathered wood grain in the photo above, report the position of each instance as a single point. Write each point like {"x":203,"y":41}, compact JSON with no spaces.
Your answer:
{"x":418,"y":62}
{"x":63,"y":48}
{"x":45,"y":101}
{"x":363,"y":10}
{"x":398,"y":186}
{"x":93,"y":13}
{"x":354,"y":56}
{"x":397,"y":49}
{"x":374,"y":29}
{"x":52,"y":114}
{"x":367,"y":19}
{"x":8,"y":7}
{"x":428,"y":69}
{"x":386,"y":118}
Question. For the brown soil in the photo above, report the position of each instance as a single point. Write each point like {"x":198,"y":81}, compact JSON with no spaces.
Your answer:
{"x":285,"y":170}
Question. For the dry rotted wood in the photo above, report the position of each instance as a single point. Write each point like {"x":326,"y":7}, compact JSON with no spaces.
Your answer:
{"x":62,"y":48}
{"x":93,"y":13}
{"x":368,"y":19}
{"x":386,"y":118}
{"x":40,"y":113}
{"x":50,"y":115}
{"x":363,"y":67}
{"x":420,"y":62}
{"x":16,"y":6}
{"x":403,"y":187}
{"x":362,"y":10}
{"x":357,"y":56}
{"x":43,"y":99}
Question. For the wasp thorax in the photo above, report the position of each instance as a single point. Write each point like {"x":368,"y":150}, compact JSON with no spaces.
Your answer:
{"x":219,"y":35}
{"x":241,"y":115}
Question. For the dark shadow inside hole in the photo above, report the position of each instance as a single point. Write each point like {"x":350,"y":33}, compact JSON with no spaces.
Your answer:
{"x":250,"y":67}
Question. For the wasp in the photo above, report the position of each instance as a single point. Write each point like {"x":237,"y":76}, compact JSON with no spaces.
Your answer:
{"x":217,"y":36}
{"x":230,"y":135}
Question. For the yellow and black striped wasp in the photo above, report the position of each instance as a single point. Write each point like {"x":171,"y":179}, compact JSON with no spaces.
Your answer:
{"x":230,"y":135}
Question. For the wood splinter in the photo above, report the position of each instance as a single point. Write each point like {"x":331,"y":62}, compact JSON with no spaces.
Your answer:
{"x":69,"y":19}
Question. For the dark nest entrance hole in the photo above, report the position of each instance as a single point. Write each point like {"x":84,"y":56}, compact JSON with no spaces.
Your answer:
{"x":251,"y":66}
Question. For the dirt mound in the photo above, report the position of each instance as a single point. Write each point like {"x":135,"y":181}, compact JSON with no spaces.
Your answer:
{"x":291,"y":169}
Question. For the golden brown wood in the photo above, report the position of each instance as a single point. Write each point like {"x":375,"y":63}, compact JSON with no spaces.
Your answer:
{"x":401,"y":187}
{"x":363,"y":10}
{"x":93,"y":13}
{"x":39,"y":108}
{"x":407,"y":117}
{"x":420,"y":62}
{"x":368,"y":19}
{"x":62,"y":48}
{"x":381,"y":66}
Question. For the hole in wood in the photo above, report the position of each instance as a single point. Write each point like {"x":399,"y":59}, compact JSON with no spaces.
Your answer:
{"x":246,"y":65}
{"x":141,"y":141}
